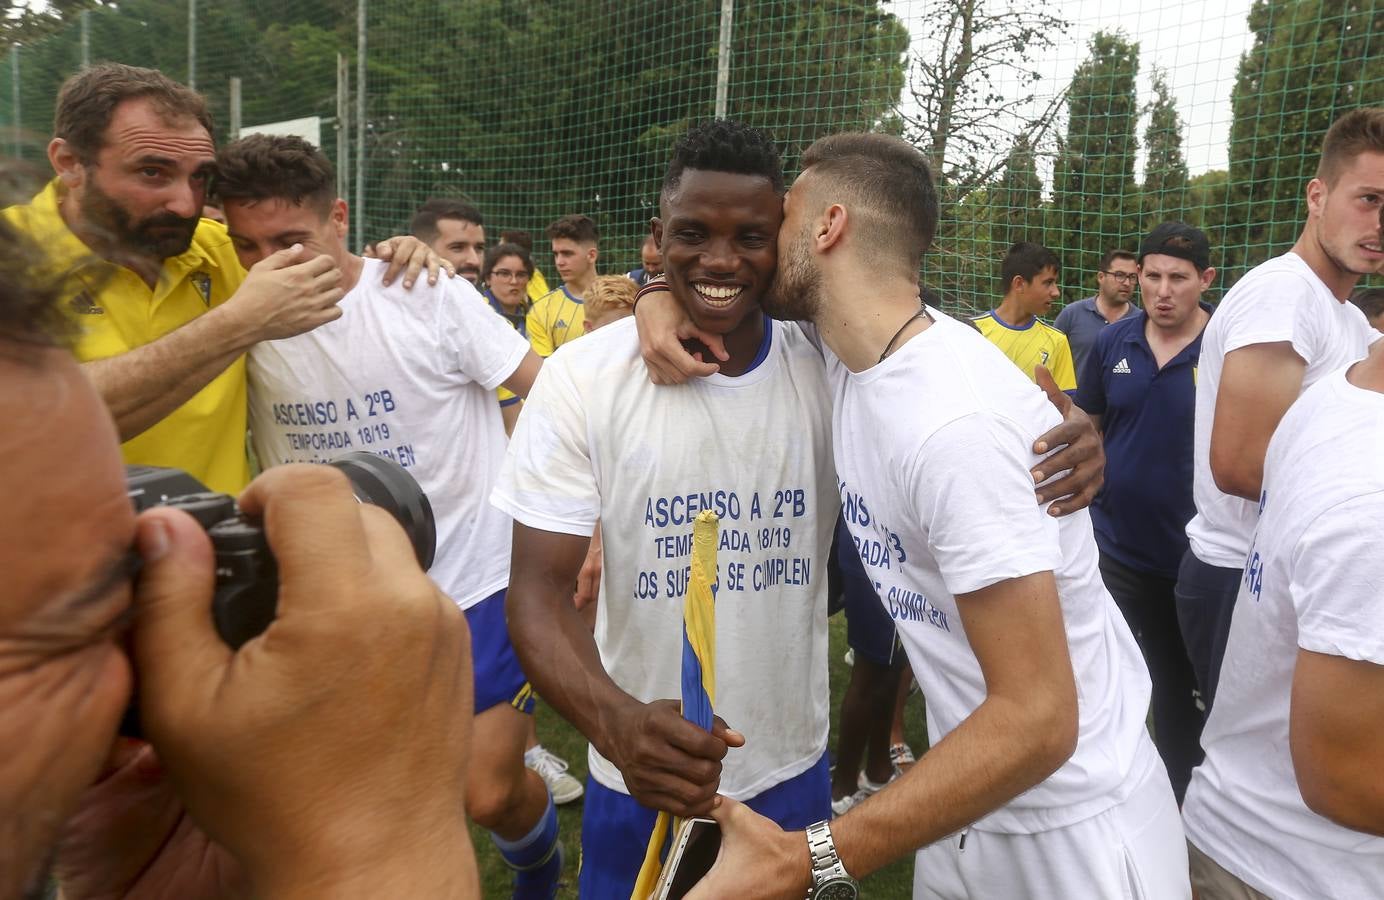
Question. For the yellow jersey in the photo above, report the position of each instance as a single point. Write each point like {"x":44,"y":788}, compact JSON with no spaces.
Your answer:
{"x":538,"y":286}
{"x":554,"y":320}
{"x":116,"y":311}
{"x":1037,"y":343}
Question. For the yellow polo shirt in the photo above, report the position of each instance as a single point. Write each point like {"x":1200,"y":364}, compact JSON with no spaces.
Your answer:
{"x":116,"y":311}
{"x":1037,"y":343}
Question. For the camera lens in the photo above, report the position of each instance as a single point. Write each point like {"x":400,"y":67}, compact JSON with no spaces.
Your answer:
{"x":384,"y":483}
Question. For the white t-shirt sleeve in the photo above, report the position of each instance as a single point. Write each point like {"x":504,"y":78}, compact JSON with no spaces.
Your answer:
{"x":971,"y":486}
{"x":1278,"y":307}
{"x":477,"y":344}
{"x":1338,"y":581}
{"x":548,"y":480}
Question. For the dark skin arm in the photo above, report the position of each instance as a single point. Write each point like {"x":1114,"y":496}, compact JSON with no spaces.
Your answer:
{"x":667,"y":762}
{"x":1075,"y":445}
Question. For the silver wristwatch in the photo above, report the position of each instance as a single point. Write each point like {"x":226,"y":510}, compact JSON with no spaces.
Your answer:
{"x":830,"y":880}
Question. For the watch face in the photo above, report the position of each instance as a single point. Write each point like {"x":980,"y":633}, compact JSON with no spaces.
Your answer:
{"x":837,"y":890}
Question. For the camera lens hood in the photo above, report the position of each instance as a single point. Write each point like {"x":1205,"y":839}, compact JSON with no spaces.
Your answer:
{"x":384,"y":483}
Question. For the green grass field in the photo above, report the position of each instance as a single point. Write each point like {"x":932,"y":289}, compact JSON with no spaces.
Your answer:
{"x":892,"y":883}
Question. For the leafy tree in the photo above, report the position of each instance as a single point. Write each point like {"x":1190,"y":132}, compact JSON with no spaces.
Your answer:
{"x":1165,"y":172}
{"x":1312,"y":60}
{"x":1017,"y":200}
{"x":1096,"y":201}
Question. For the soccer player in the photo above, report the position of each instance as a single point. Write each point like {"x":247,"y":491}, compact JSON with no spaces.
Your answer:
{"x":599,"y":441}
{"x":413,"y":379}
{"x":1371,"y":303}
{"x":1083,"y":321}
{"x":652,"y":263}
{"x":1041,"y":779}
{"x":610,"y":299}
{"x":1290,"y":800}
{"x":1140,"y":386}
{"x":1284,"y":325}
{"x":1030,"y":275}
{"x":556,"y":318}
{"x":455,"y":231}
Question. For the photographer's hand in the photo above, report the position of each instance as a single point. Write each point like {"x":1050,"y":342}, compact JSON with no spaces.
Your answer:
{"x":132,"y":839}
{"x":328,"y":754}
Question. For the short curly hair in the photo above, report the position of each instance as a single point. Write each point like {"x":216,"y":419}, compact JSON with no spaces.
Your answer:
{"x":725,"y":145}
{"x":87,"y":102}
{"x":30,"y":312}
{"x":276,"y":167}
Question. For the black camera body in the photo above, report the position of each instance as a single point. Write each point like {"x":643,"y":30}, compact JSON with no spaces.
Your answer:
{"x":247,"y":577}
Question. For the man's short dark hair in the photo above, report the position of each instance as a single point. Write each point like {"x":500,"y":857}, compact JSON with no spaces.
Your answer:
{"x":724,"y":145}
{"x":889,"y":184}
{"x":1358,"y":131}
{"x":499,"y":252}
{"x":424,"y":224}
{"x":276,"y":167}
{"x":1025,"y":260}
{"x":577,"y":228}
{"x":87,"y":102}
{"x":522,"y":238}
{"x":1370,"y":301}
{"x":1112,"y":255}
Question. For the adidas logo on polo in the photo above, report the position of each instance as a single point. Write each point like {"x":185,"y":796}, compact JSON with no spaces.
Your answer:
{"x":1121,"y":367}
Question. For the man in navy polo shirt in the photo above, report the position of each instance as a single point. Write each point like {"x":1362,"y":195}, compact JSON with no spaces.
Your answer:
{"x":1139,"y":384}
{"x":1083,"y":321}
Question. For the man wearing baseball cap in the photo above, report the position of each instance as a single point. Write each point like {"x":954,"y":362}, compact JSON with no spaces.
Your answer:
{"x":1139,"y":385}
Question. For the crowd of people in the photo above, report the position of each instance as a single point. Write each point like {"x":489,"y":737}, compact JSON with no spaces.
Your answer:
{"x":1138,"y":599}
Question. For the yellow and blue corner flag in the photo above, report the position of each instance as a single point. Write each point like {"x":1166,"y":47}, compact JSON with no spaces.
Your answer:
{"x":698,"y":671}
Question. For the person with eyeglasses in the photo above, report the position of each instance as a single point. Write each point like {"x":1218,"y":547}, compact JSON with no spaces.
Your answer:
{"x":505,"y":272}
{"x":1083,"y":321}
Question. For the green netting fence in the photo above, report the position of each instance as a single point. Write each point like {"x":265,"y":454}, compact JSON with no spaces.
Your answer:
{"x":1078,"y":124}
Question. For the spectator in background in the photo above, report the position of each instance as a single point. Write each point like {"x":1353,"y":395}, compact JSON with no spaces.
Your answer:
{"x":165,"y":312}
{"x":1029,"y":273}
{"x":1371,"y":303}
{"x":538,"y":285}
{"x":505,"y":272}
{"x":611,"y":299}
{"x":1083,"y":321}
{"x":652,"y":263}
{"x":455,"y":231}
{"x":1290,"y":800}
{"x":556,"y":318}
{"x":1139,"y":385}
{"x":1285,"y":324}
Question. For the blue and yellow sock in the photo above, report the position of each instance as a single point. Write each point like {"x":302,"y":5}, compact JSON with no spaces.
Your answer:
{"x":536,"y":858}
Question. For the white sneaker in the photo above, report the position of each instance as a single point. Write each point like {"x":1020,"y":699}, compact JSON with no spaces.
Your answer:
{"x":869,"y":787}
{"x":901,"y":755}
{"x":848,"y":802}
{"x":850,"y":656}
{"x":553,"y":771}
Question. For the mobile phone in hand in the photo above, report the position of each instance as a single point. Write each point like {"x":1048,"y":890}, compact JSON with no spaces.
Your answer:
{"x":695,"y":847}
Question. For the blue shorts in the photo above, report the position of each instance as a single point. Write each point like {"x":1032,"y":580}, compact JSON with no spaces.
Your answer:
{"x":869,"y":629}
{"x":496,"y":676}
{"x":615,"y":829}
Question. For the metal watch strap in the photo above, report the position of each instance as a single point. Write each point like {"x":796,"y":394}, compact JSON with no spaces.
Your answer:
{"x":822,"y":849}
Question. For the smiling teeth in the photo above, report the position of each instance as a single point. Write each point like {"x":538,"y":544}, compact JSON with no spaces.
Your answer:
{"x":717,"y":292}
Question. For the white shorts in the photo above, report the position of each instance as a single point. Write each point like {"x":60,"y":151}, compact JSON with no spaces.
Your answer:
{"x":1132,"y":851}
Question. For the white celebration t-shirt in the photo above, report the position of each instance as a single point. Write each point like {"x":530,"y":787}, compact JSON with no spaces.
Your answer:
{"x":1280,"y":300}
{"x":1314,"y":580}
{"x":409,"y":375}
{"x":934,"y":447}
{"x":598,"y":441}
